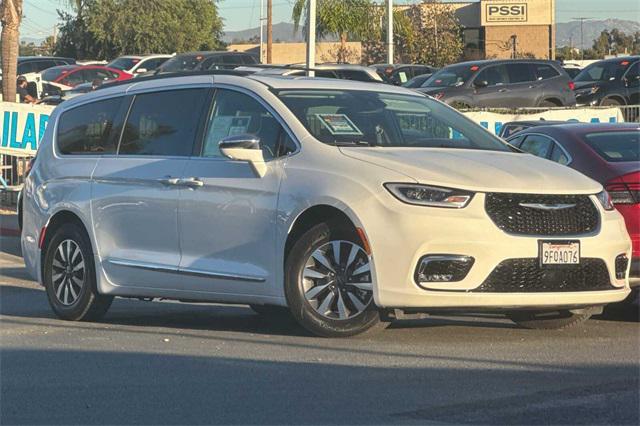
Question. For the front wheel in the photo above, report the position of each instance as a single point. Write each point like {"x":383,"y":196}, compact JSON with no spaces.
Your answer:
{"x":70,"y":276}
{"x":550,"y":320}
{"x":328,"y":283}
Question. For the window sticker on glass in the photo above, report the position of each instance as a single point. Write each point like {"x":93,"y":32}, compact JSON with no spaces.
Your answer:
{"x":403,"y":76}
{"x":239,"y":125}
{"x":339,"y":124}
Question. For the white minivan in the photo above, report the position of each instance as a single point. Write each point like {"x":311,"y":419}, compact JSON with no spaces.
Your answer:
{"x":343,"y":202}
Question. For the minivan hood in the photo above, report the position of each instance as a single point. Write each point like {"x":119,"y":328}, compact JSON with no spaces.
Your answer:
{"x":478,"y":170}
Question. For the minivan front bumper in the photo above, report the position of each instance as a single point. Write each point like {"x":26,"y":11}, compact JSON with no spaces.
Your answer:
{"x":418,"y":231}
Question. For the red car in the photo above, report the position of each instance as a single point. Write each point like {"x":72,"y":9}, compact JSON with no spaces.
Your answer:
{"x":66,"y":77}
{"x":608,"y":153}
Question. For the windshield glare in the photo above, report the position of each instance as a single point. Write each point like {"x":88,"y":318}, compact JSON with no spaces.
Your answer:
{"x":368,"y":118}
{"x":451,"y":76}
{"x":181,"y":63}
{"x":603,"y":71}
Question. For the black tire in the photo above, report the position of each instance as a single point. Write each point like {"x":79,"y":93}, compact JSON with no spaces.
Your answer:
{"x":611,"y":102}
{"x":89,"y":305}
{"x":550,"y":320}
{"x":300,"y":308}
{"x":548,"y":104}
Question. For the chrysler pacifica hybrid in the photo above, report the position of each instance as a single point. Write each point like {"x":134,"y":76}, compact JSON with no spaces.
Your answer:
{"x":341,"y":201}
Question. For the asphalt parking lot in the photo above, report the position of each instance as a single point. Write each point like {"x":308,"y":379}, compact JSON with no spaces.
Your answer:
{"x":170,"y":363}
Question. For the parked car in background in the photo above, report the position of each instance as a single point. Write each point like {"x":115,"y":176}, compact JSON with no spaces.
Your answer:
{"x":510,"y":128}
{"x":35,"y":64}
{"x":69,"y":76}
{"x":206,"y":60}
{"x":135,"y":64}
{"x":399,"y":74}
{"x":340,"y":71}
{"x":613,"y":81}
{"x":572,"y":72}
{"x":345,"y":202}
{"x":608,"y":153}
{"x":417,"y":81}
{"x":511,"y":83}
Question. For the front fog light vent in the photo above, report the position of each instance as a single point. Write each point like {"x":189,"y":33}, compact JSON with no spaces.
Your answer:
{"x":443,"y":268}
{"x":622,"y":262}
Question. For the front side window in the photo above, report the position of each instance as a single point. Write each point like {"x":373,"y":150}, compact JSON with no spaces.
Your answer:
{"x":616,"y":147}
{"x":74,"y":78}
{"x":235,"y":113}
{"x":86,"y":129}
{"x":494,"y":76}
{"x":603,"y":71}
{"x":163,"y":123}
{"x":370,"y":118}
{"x":537,"y":145}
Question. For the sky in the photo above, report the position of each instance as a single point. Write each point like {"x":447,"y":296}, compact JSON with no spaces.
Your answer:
{"x":40,"y":15}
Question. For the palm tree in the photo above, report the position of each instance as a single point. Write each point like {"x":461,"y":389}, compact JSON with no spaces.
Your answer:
{"x":341,"y":18}
{"x":11,"y":17}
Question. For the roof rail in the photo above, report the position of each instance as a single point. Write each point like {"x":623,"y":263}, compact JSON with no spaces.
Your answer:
{"x":173,"y":74}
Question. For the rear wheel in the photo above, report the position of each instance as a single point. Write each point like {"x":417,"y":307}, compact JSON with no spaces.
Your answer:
{"x":329,"y":285}
{"x":551,"y":320}
{"x":70,"y":277}
{"x":611,"y":102}
{"x":548,"y":104}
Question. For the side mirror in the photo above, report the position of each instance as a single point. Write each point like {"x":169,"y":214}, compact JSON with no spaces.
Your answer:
{"x":141,"y":70}
{"x":480,"y":83}
{"x":244,"y":147}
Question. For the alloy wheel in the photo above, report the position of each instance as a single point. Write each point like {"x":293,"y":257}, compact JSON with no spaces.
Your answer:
{"x":68,"y":272}
{"x":337,"y":280}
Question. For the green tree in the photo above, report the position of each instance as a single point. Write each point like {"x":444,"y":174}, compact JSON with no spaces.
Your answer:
{"x":344,"y":19}
{"x":104,"y":29}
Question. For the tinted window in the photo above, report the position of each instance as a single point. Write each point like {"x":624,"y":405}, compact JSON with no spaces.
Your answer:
{"x":248,"y":59}
{"x":632,"y":76}
{"x":511,"y":129}
{"x":370,"y":118}
{"x":123,"y":63}
{"x":516,"y":141}
{"x":520,"y":73}
{"x":544,"y":71}
{"x":537,"y":145}
{"x":163,"y":123}
{"x":43,"y":65}
{"x":25,"y":67}
{"x":616,"y":146}
{"x":182,"y":63}
{"x":494,"y":75}
{"x":558,"y":155}
{"x":85,"y":129}
{"x":235,"y":113}
{"x":152,"y":64}
{"x":73,"y":78}
{"x":91,"y":74}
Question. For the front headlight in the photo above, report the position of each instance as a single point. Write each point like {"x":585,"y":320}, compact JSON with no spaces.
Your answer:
{"x":605,"y":200}
{"x":432,"y":196}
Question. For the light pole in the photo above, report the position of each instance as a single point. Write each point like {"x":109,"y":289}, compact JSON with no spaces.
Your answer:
{"x":311,"y":38}
{"x":390,"y":31}
{"x":581,"y":19}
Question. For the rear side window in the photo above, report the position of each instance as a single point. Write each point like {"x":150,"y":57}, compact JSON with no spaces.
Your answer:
{"x":86,"y":129}
{"x":520,"y":73}
{"x":544,"y":71}
{"x":616,"y":147}
{"x":163,"y":123}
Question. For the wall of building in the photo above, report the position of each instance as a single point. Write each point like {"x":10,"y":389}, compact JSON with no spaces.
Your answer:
{"x":291,"y":53}
{"x":531,"y":40}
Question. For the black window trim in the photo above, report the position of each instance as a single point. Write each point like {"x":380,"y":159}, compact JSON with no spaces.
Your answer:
{"x":548,"y":157}
{"x":199,"y":132}
{"x":224,"y":86}
{"x":624,"y":76}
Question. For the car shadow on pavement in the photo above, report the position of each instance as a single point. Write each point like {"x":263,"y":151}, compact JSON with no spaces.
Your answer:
{"x":147,"y":387}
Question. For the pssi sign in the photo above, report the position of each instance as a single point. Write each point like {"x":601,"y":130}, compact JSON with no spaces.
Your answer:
{"x":506,"y":12}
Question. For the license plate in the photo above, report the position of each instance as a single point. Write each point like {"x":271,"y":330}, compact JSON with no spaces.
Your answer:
{"x":559,"y":253}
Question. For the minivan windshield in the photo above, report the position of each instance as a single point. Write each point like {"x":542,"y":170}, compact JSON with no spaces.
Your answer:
{"x":603,"y":71}
{"x":370,"y":118}
{"x":452,"y":76}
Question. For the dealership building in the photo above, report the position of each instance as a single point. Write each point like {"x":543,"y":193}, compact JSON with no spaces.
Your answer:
{"x":493,"y":27}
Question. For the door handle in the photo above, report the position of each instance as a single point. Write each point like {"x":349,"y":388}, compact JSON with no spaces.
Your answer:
{"x":169,"y":181}
{"x":503,"y":90}
{"x":191,"y":182}
{"x":533,"y":87}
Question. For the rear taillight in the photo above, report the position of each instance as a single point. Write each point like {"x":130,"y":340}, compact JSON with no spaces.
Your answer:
{"x":572,"y":85}
{"x":625,"y":189}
